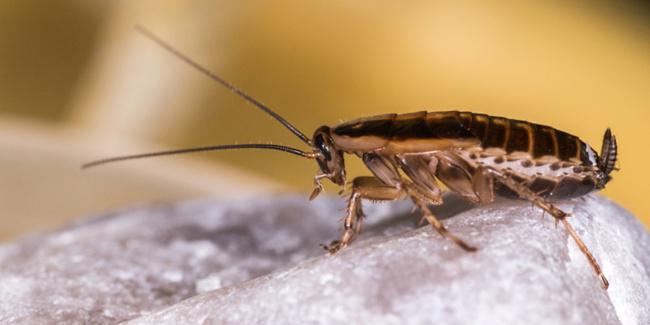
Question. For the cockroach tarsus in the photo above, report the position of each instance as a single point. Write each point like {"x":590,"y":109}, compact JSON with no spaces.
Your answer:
{"x":476,"y":156}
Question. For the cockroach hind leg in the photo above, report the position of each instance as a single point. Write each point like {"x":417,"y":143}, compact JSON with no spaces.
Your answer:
{"x":586,"y":252}
{"x":558,"y":214}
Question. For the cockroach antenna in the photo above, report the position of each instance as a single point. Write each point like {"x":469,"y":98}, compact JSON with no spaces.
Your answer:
{"x":150,"y":35}
{"x":233,"y":89}
{"x":201,"y":149}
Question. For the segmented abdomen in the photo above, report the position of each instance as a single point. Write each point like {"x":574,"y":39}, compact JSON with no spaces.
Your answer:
{"x":535,"y":139}
{"x":491,"y":132}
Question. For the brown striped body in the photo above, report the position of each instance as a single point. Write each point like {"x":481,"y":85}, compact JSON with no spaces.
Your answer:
{"x":550,"y":162}
{"x":474,"y":155}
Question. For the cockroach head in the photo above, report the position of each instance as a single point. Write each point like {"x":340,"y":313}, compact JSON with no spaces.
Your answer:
{"x":329,"y":157}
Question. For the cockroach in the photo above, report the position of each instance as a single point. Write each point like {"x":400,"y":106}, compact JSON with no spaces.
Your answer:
{"x":476,"y":156}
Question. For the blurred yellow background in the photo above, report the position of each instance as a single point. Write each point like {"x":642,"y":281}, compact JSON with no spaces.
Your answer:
{"x":78,"y":83}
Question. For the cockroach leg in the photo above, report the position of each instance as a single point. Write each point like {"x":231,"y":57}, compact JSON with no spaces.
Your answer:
{"x":483,"y":185}
{"x":466,"y":151}
{"x":370,"y":188}
{"x":585,"y":251}
{"x":438,"y":226}
{"x":318,"y":186}
{"x":421,"y":172}
{"x":524,"y":192}
{"x":421,"y":201}
{"x":351,"y":224}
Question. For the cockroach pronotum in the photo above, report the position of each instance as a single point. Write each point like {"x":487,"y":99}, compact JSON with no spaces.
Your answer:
{"x":475,"y":155}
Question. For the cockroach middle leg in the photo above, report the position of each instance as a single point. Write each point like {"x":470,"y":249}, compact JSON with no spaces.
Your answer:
{"x":438,"y":226}
{"x":561,"y":216}
{"x":370,"y":188}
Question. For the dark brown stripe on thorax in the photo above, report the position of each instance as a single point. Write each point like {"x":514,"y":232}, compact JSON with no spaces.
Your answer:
{"x":410,"y":126}
{"x":402,"y":127}
{"x":379,"y":126}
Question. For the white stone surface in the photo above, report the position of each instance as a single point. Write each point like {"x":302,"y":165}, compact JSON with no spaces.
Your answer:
{"x":258,"y":261}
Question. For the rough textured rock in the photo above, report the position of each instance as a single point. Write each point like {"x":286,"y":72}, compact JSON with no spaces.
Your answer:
{"x":258,"y":261}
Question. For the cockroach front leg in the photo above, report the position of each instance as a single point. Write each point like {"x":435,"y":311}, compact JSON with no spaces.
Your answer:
{"x":370,"y":188}
{"x":525,"y":193}
{"x":318,"y":186}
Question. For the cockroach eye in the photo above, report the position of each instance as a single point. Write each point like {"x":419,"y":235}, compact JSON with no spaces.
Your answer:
{"x":319,"y":143}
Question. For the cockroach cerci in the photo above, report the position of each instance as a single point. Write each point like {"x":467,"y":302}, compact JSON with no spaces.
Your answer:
{"x":475,"y":155}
